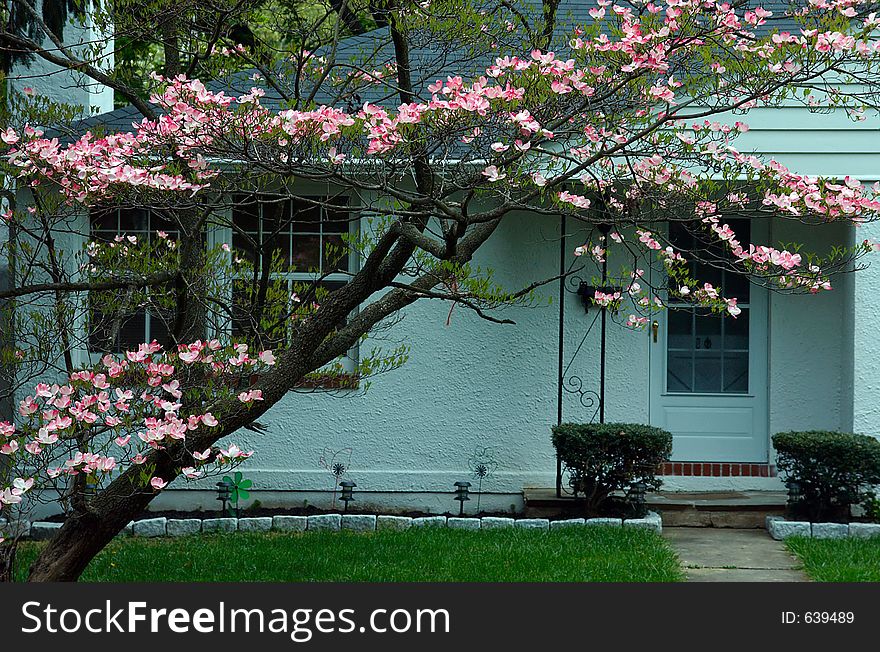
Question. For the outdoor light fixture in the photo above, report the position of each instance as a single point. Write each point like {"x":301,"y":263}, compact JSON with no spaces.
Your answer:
{"x":461,"y":495}
{"x":637,"y":495}
{"x":224,"y":491}
{"x":347,"y":492}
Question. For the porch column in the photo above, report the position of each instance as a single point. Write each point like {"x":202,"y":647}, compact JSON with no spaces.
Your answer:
{"x":866,"y":339}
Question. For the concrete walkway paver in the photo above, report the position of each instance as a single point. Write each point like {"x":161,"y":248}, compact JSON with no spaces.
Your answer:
{"x":731,"y":555}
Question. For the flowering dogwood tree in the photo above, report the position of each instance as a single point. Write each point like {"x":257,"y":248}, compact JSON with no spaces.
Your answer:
{"x":624,"y":122}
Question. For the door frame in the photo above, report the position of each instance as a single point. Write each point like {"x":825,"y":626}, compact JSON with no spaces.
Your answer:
{"x":759,"y":369}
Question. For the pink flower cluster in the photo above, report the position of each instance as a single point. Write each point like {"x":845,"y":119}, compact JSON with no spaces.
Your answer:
{"x":86,"y":425}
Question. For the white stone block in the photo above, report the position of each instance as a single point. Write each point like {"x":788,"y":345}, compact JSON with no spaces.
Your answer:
{"x":782,"y":529}
{"x":257,"y":524}
{"x":220,"y":525}
{"x":604,"y":521}
{"x":566,"y":523}
{"x":388,"y":522}
{"x":650,"y":522}
{"x":830,"y":530}
{"x":285,"y":523}
{"x":359,"y":522}
{"x":322,"y":522}
{"x":461,"y":523}
{"x":151,"y":527}
{"x":429,"y":521}
{"x":496,"y":522}
{"x":15,"y":528}
{"x":864,"y":530}
{"x":43,"y":530}
{"x":182,"y":527}
{"x":533,"y":523}
{"x":769,"y":519}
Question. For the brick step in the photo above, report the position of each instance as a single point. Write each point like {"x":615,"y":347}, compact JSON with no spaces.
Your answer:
{"x":734,"y":509}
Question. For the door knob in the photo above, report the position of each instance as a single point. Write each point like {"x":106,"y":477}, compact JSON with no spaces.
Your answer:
{"x":655,"y":326}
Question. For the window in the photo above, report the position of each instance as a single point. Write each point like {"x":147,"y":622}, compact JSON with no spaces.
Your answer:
{"x":299,"y":240}
{"x":127,"y":325}
{"x":708,"y":353}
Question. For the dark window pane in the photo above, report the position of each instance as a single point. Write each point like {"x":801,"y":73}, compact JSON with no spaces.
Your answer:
{"x":159,"y":222}
{"x":337,"y":218}
{"x":276,"y":216}
{"x":278,"y":250}
{"x":736,"y":332}
{"x":736,"y":286}
{"x":680,"y":325}
{"x":132,"y":330}
{"x":306,"y":217}
{"x":708,"y":335}
{"x":160,"y":326}
{"x":246,"y":212}
{"x":679,"y":372}
{"x":103,"y":219}
{"x":704,"y":273}
{"x":679,"y":236}
{"x":244,"y":246}
{"x":132,"y":220}
{"x":736,"y":372}
{"x":306,"y":253}
{"x":335,"y":254}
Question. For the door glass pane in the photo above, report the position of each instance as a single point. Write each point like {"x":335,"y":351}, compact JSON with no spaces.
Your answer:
{"x":707,"y":353}
{"x":736,"y":373}
{"x":680,"y":328}
{"x":736,"y":332}
{"x":708,"y":335}
{"x":680,"y":372}
{"x":707,"y":371}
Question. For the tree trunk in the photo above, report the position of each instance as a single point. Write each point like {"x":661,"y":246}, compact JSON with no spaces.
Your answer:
{"x":7,"y":561}
{"x":84,"y":536}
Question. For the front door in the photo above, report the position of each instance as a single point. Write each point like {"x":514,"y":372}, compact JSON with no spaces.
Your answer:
{"x":709,"y":372}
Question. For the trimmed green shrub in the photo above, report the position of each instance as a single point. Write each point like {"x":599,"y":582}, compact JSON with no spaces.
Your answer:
{"x":610,"y":457}
{"x":833,"y":470}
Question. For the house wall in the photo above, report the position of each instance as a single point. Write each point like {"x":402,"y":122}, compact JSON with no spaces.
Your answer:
{"x":479,"y":384}
{"x":474,"y":384}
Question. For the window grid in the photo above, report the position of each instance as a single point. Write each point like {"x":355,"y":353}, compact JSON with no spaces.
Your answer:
{"x":300,"y":233}
{"x":141,"y":326}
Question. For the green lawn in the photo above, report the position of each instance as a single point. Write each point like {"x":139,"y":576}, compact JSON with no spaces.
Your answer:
{"x":431,"y":554}
{"x":838,"y":560}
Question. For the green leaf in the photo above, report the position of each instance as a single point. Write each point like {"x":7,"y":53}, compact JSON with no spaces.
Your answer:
{"x":226,"y":478}
{"x":238,"y":477}
{"x":246,"y":484}
{"x":243,"y":494}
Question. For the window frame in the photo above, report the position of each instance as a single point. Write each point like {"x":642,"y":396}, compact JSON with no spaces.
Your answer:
{"x":223,"y":234}
{"x":93,"y":234}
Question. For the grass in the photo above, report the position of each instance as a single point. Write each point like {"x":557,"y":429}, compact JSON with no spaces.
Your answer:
{"x":593,"y":554}
{"x":838,"y":560}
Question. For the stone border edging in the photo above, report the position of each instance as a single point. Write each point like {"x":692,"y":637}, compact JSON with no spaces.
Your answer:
{"x":162,"y":526}
{"x":780,"y":529}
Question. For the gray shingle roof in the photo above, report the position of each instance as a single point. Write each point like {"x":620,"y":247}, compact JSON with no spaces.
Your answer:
{"x":428,"y":63}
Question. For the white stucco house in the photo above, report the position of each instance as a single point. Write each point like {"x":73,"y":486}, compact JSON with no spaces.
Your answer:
{"x":789,"y":362}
